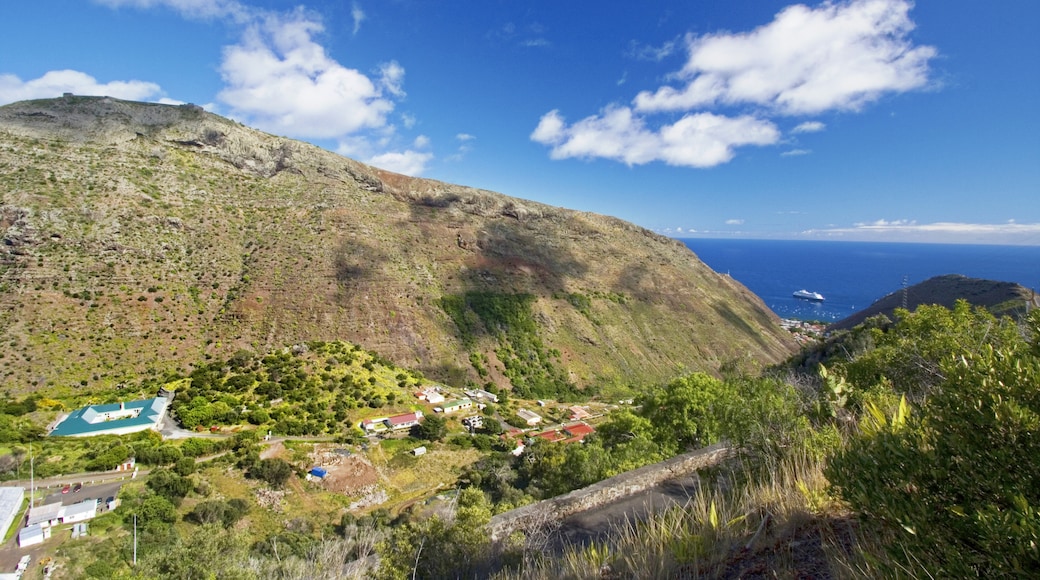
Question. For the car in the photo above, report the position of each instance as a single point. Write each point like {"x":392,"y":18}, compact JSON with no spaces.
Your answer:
{"x":98,"y":502}
{"x":66,"y":489}
{"x":78,"y":487}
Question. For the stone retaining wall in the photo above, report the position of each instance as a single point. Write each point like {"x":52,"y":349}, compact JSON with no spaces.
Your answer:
{"x":606,"y":491}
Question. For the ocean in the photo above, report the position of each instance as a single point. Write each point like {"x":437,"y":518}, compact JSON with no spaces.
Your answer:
{"x":852,"y":275}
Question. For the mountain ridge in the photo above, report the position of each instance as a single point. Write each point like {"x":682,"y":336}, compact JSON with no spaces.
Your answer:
{"x":141,"y":238}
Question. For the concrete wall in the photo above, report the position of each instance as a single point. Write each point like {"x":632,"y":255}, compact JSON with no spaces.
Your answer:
{"x":606,"y":491}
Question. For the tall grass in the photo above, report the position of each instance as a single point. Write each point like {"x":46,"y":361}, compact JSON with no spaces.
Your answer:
{"x":779,"y":522}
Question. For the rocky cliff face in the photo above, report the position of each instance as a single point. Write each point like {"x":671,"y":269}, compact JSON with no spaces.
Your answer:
{"x":140,"y":238}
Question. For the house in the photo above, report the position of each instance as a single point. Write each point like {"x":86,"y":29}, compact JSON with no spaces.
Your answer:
{"x":530,"y":417}
{"x":473,"y":422}
{"x":127,"y":465}
{"x":481,"y":394}
{"x":551,"y":436}
{"x":79,"y":512}
{"x":431,"y":395}
{"x":374,"y":425}
{"x":45,"y":515}
{"x":579,"y":413}
{"x":112,"y":419}
{"x":11,"y":499}
{"x":578,"y":431}
{"x":456,"y":406}
{"x":405,"y":421}
{"x":32,"y":535}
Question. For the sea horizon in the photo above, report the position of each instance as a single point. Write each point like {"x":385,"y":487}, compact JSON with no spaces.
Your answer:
{"x":852,"y":275}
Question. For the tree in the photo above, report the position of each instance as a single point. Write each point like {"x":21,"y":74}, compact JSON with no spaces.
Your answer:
{"x":169,"y":485}
{"x":274,"y":471}
{"x":432,"y":428}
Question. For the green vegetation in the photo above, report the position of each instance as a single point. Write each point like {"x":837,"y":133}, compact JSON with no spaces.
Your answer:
{"x":508,"y":323}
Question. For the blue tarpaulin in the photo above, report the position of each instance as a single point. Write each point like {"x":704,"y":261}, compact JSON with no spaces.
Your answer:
{"x":319,"y":471}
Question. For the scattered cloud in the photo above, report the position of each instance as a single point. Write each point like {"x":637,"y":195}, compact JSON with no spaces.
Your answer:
{"x":735,"y":222}
{"x":652,"y":53}
{"x":465,"y":137}
{"x":55,"y":83}
{"x":795,"y":153}
{"x":358,"y":15}
{"x":421,"y":142}
{"x":697,"y":140}
{"x":200,"y":9}
{"x":391,"y":77}
{"x":406,"y":162}
{"x":809,"y":127}
{"x":1009,"y":232}
{"x":408,"y":120}
{"x":839,"y":56}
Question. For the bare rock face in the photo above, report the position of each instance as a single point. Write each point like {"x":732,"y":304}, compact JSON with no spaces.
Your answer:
{"x":140,"y":238}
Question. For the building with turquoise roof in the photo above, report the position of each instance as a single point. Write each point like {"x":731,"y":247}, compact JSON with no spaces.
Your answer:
{"x":113,"y":419}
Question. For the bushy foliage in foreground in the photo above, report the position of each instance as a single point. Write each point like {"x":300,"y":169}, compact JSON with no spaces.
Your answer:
{"x":955,"y":481}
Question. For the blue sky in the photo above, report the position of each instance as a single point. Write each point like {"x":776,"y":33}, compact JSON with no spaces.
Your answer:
{"x":851,"y":120}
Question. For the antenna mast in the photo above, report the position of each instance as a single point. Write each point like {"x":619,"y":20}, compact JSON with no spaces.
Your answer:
{"x":905,"y":282}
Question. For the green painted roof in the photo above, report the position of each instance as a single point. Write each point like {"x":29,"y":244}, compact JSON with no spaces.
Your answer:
{"x":96,"y":419}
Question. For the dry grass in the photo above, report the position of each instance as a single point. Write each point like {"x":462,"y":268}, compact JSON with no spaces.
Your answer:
{"x":781,"y":524}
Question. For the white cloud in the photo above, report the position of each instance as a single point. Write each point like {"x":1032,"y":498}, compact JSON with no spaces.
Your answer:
{"x":735,"y":222}
{"x":838,"y":56}
{"x":795,"y":153}
{"x":421,"y":142}
{"x":809,"y":127}
{"x":652,"y":53}
{"x":406,"y":162}
{"x":55,"y":83}
{"x":358,"y":15}
{"x":391,"y":77}
{"x":1010,"y":232}
{"x":203,"y":9}
{"x":281,"y":80}
{"x":465,"y":137}
{"x":698,"y":140}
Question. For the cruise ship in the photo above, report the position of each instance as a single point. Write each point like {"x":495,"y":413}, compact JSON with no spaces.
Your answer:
{"x":810,"y":296}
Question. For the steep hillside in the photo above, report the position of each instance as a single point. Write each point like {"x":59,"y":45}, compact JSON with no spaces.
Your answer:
{"x":140,"y":238}
{"x":1000,"y":298}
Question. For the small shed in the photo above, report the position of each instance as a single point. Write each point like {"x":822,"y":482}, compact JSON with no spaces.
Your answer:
{"x":32,"y":535}
{"x":319,"y":471}
{"x":419,"y":451}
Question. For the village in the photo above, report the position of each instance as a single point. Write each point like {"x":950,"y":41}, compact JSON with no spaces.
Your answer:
{"x":39,"y":513}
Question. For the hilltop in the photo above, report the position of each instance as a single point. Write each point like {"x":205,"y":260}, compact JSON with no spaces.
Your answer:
{"x":139,"y":239}
{"x":1000,"y":298}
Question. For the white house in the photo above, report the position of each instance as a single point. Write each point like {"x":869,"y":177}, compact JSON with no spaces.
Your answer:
{"x":405,"y":421}
{"x":32,"y":535}
{"x":82,"y":511}
{"x":45,"y":515}
{"x":455,"y":406}
{"x":530,"y":417}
